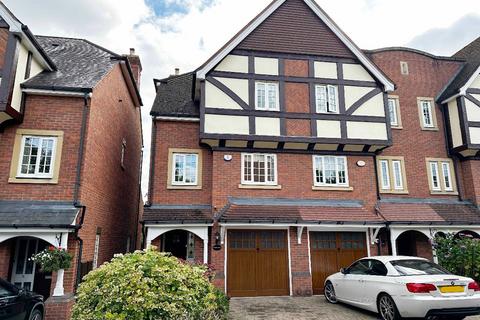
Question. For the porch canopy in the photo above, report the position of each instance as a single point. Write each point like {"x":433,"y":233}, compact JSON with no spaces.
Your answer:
{"x":296,"y":212}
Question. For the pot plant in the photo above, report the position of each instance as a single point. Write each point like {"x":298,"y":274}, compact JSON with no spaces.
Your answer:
{"x":53,"y":259}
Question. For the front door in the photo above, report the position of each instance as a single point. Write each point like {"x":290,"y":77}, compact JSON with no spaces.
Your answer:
{"x":23,"y":273}
{"x":331,"y":251}
{"x":257,"y":263}
{"x":176,"y":243}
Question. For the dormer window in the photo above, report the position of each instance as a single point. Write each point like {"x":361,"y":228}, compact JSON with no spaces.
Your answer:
{"x":267,"y":97}
{"x":326,"y":99}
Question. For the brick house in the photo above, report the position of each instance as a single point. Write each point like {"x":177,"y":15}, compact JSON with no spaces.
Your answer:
{"x":70,"y":152}
{"x":291,"y":152}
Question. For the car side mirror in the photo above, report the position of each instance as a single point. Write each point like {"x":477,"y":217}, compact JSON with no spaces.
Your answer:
{"x":343,"y":271}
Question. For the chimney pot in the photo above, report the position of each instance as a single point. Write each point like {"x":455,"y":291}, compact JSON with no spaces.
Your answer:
{"x":132,"y":51}
{"x":177,"y":71}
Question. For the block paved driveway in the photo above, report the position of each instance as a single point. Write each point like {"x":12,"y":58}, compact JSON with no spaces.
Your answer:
{"x":296,"y":308}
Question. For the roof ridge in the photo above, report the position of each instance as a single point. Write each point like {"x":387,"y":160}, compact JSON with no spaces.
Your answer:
{"x":409,"y":49}
{"x":84,"y":40}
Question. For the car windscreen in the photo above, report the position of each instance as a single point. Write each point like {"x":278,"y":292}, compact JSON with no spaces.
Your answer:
{"x":417,"y":267}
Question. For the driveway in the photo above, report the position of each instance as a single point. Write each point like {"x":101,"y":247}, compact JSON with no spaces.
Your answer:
{"x":296,"y":308}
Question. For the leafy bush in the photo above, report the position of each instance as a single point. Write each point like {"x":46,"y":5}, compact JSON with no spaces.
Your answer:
{"x":149,"y":285}
{"x":459,"y":255}
{"x":53,"y":259}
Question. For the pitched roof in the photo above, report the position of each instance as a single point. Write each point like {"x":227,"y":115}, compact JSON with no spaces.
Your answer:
{"x":241,"y":210}
{"x":267,"y":13}
{"x":165,"y":214}
{"x":37,"y":214}
{"x":471,"y":53}
{"x":428,"y":211}
{"x":175,"y":97}
{"x":80,"y":64}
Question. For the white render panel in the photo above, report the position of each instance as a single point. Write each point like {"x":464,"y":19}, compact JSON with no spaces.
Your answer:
{"x":328,"y":129}
{"x":267,"y":126}
{"x":226,"y":124}
{"x":366,"y":130}
{"x":233,"y":63}
{"x":353,"y":94}
{"x":356,"y":72}
{"x":473,"y":111}
{"x":238,"y":86}
{"x":267,"y":66}
{"x":216,"y":98}
{"x":373,"y":107}
{"x":476,"y":83}
{"x":326,"y":70}
{"x":455,"y":124}
{"x":474,"y":135}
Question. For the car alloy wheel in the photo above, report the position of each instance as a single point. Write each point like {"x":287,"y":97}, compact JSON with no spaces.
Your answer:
{"x":387,"y":308}
{"x":36,"y":315}
{"x":330,"y":293}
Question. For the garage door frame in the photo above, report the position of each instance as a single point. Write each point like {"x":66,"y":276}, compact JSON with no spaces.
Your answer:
{"x":258,"y":227}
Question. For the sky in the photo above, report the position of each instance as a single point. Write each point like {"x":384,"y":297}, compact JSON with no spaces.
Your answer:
{"x":169,"y":34}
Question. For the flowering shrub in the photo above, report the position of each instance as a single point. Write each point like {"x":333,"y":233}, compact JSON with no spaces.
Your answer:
{"x":459,"y":255}
{"x":149,"y":285}
{"x":53,"y":259}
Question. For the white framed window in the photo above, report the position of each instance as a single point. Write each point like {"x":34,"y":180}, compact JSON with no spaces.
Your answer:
{"x":427,"y":114}
{"x":391,"y":171}
{"x":259,"y":169}
{"x":392,"y":109}
{"x":267,"y":96}
{"x":441,"y":175}
{"x":330,"y":171}
{"x":185,"y":169}
{"x":37,"y":158}
{"x":326,"y":99}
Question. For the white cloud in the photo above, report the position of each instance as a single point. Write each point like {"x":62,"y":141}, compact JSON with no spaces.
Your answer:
{"x":187,"y":40}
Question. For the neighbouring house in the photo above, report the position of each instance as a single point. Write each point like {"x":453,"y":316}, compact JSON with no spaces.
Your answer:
{"x":70,"y":155}
{"x":291,"y":152}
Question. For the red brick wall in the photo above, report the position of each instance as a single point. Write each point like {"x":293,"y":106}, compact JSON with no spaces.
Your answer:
{"x":296,"y":68}
{"x":5,"y":258}
{"x":44,"y":113}
{"x":297,"y":98}
{"x":182,"y":135}
{"x":470,"y":171}
{"x":426,"y":79}
{"x":299,"y":255}
{"x":300,"y":128}
{"x":110,"y":193}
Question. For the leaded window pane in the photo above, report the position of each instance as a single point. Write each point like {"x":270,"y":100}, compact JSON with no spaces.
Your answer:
{"x":435,"y":177}
{"x":321,"y":99}
{"x":392,"y":108}
{"x":447,"y":179}
{"x":385,"y":174}
{"x":397,"y":175}
{"x":332,"y":99}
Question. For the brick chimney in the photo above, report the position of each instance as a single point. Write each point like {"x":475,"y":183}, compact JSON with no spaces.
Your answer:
{"x":136,"y":65}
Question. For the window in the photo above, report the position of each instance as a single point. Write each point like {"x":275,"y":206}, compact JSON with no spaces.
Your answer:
{"x":28,"y":68}
{"x":259,"y":169}
{"x":267,"y":97}
{"x":326,"y":99}
{"x":391,"y":172}
{"x":37,"y":157}
{"x":404,"y":68}
{"x":184,"y":169}
{"x":417,"y":267}
{"x":330,"y":171}
{"x":440,"y":174}
{"x":368,"y":267}
{"x":394,"y":112}
{"x":122,"y":157}
{"x":427,"y":114}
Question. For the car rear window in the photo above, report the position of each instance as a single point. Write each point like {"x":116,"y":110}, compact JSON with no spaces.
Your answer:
{"x":417,"y":267}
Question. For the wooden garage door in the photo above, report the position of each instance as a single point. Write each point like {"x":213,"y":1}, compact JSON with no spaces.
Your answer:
{"x":257,"y":263}
{"x":331,"y":251}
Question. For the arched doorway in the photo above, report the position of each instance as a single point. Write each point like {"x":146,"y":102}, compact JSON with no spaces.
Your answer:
{"x":182,"y":244}
{"x":467,"y":233}
{"x":414,"y":243}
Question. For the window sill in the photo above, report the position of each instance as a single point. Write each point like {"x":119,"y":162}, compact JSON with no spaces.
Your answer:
{"x":394,"y":191}
{"x":259,"y":187}
{"x":444,"y":193}
{"x":397,"y":127}
{"x":324,"y":188}
{"x":429,"y":129}
{"x":172,"y":187}
{"x":33,"y":180}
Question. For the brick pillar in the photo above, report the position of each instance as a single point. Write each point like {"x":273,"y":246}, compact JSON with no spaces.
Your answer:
{"x":299,"y":255}
{"x":5,"y":255}
{"x":198,"y":251}
{"x":217,"y":260}
{"x":60,"y":308}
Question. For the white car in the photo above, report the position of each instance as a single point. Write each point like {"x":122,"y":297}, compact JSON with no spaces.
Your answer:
{"x":399,"y":286}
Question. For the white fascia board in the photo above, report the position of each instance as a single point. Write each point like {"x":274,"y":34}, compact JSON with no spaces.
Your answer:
{"x":389,"y":86}
{"x":451,"y":98}
{"x":180,"y":226}
{"x":177,"y":119}
{"x":463,"y":90}
{"x":201,"y":74}
{"x":55,"y":93}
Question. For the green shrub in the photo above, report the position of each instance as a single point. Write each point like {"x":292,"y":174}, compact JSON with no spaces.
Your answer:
{"x":149,"y":285}
{"x":459,"y":255}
